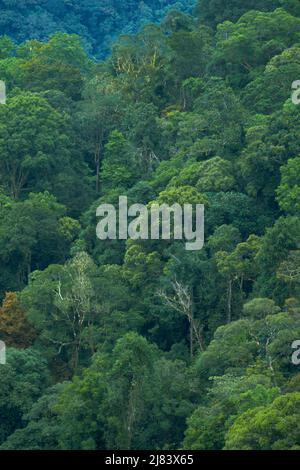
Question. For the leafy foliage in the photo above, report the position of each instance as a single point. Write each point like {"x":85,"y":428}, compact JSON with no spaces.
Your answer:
{"x":137,"y":344}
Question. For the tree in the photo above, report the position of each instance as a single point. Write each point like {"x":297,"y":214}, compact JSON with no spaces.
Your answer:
{"x":61,"y":304}
{"x":108,"y":405}
{"x":33,"y":233}
{"x":191,"y":51}
{"x":269,"y":91}
{"x":141,"y":128}
{"x":275,"y":139}
{"x":229,"y":397}
{"x":289,"y":269}
{"x":33,"y":143}
{"x":14,"y":327}
{"x":24,"y":378}
{"x":130,"y":390}
{"x":217,"y":11}
{"x":224,"y":238}
{"x":42,"y":428}
{"x":140,"y":267}
{"x":241,"y":48}
{"x":182,"y":302}
{"x":272,"y":427}
{"x":276,"y":245}
{"x":139,"y":61}
{"x":95,"y":22}
{"x":213,"y":175}
{"x":58,"y":64}
{"x":6,"y":47}
{"x":257,"y":309}
{"x":98,"y":115}
{"x":288,"y":192}
{"x":237,"y":209}
{"x":238,"y":266}
{"x":113,"y":394}
{"x":232,"y":348}
{"x":118,"y":166}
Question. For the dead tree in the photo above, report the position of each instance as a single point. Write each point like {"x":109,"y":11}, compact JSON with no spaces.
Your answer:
{"x":182,"y":301}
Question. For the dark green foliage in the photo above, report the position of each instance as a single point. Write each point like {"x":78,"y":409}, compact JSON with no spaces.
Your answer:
{"x":23,"y":379}
{"x":97,"y":22}
{"x":214,"y":12}
{"x":142,"y":344}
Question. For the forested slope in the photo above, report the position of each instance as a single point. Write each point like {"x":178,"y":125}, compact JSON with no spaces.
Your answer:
{"x":143,"y":344}
{"x":97,"y":21}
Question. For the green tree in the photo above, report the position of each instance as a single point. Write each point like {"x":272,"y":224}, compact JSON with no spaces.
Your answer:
{"x":288,"y":192}
{"x":229,"y":397}
{"x":238,"y":266}
{"x":57,"y":64}
{"x":257,"y":309}
{"x":61,"y":304}
{"x":272,"y":427}
{"x":42,"y":428}
{"x":118,"y":166}
{"x":33,"y":234}
{"x":269,"y":91}
{"x":34,"y":144}
{"x":213,"y":175}
{"x":24,"y":378}
{"x":217,"y":11}
{"x":241,"y":48}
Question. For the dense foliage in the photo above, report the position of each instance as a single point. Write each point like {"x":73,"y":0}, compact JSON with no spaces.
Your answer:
{"x":97,"y":21}
{"x":142,"y":344}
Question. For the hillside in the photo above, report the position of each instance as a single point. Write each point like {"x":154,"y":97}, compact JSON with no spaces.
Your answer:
{"x":136,"y":343}
{"x":98,"y":22}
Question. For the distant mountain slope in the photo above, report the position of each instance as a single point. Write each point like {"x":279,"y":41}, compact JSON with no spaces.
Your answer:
{"x":97,"y":21}
{"x":214,"y":12}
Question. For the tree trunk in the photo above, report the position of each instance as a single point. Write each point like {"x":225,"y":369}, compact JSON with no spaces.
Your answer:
{"x":191,"y":340}
{"x":229,"y":312}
